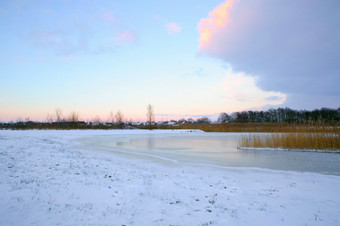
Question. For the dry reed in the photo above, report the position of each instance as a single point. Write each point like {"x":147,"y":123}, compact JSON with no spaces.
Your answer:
{"x":297,"y":140}
{"x":263,"y":127}
{"x":318,"y":136}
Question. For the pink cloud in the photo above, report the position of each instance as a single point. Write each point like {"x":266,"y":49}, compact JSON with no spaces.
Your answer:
{"x":19,"y":59}
{"x":217,"y":19}
{"x":108,"y":16}
{"x":173,"y":28}
{"x":63,"y":42}
{"x":126,"y":36}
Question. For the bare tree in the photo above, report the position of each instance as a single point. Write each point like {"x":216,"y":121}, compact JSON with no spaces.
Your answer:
{"x":49,"y":118}
{"x":119,"y":118}
{"x":130,"y":121}
{"x":73,"y":117}
{"x":111,"y":117}
{"x":149,"y":115}
{"x":58,"y":114}
{"x":96,"y":120}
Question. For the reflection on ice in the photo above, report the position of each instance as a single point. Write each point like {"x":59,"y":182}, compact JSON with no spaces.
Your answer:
{"x":218,"y":149}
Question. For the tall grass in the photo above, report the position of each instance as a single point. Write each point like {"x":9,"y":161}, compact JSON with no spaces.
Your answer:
{"x":263,"y":127}
{"x":296,"y":140}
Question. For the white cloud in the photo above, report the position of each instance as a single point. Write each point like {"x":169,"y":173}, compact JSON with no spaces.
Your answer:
{"x":223,"y":91}
{"x":173,"y":28}
{"x":292,"y":46}
{"x":108,"y":16}
{"x":63,"y":42}
{"x":239,"y":92}
{"x":126,"y":36}
{"x":208,"y":27}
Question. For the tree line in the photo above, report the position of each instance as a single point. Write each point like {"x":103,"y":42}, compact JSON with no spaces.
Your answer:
{"x":59,"y":120}
{"x":117,"y":120}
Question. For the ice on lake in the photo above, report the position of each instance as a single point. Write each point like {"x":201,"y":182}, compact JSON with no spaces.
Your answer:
{"x":159,"y":178}
{"x":216,"y":149}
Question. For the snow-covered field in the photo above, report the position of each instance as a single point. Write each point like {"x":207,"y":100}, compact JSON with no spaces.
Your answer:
{"x":48,"y":178}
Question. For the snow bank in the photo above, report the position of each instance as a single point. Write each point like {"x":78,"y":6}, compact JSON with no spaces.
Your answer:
{"x":47,"y":180}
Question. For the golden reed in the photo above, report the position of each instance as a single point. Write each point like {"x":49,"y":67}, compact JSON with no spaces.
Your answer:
{"x":317,"y":136}
{"x":262,"y":127}
{"x":299,"y":140}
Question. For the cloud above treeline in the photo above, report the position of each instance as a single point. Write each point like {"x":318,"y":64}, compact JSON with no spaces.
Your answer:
{"x":241,"y":92}
{"x":293,"y":46}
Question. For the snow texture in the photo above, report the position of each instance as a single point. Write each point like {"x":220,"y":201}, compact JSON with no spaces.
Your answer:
{"x":47,"y":178}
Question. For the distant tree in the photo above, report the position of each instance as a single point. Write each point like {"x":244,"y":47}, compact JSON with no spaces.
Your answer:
{"x":329,"y":115}
{"x":182,"y":121}
{"x":203,"y":120}
{"x":119,"y":118}
{"x":149,"y":115}
{"x":173,"y":122}
{"x":241,"y":116}
{"x":74,"y":117}
{"x":111,"y":117}
{"x":58,"y":114}
{"x":49,"y":118}
{"x":190,"y":120}
{"x":281,"y":114}
{"x":96,"y":120}
{"x":129,"y":122}
{"x":224,"y":118}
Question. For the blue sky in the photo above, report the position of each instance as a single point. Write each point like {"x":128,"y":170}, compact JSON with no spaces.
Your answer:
{"x":97,"y":56}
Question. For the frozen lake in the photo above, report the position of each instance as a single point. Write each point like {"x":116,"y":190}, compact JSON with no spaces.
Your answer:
{"x":48,"y":177}
{"x":217,"y":149}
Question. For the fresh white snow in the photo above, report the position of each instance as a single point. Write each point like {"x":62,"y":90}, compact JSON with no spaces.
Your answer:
{"x":48,"y":178}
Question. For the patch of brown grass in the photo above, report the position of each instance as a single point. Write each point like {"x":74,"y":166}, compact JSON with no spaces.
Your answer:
{"x":297,"y":140}
{"x":263,"y":127}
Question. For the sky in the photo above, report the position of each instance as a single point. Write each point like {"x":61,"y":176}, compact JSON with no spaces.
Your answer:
{"x":187,"y":59}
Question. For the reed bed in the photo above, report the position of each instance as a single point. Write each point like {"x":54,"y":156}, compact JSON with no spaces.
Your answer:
{"x":263,"y":127}
{"x":297,"y":140}
{"x":316,"y":136}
